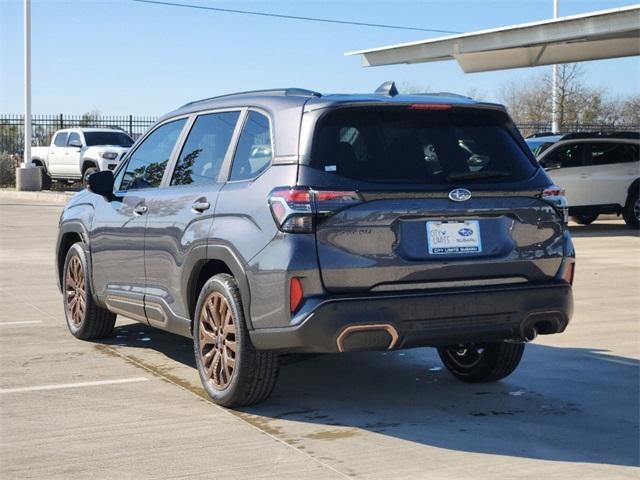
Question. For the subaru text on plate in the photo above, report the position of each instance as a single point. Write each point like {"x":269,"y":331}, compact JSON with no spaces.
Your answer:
{"x":285,"y":221}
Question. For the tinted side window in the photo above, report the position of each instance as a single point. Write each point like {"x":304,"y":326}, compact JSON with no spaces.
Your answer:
{"x":73,"y":136}
{"x":254,"y":151}
{"x":205,"y":149}
{"x":606,"y":153}
{"x":565,"y":156}
{"x":61,"y":139}
{"x":147,"y":164}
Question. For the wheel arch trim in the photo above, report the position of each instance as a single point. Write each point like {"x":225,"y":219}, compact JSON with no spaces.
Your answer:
{"x":232,"y":259}
{"x":71,"y":227}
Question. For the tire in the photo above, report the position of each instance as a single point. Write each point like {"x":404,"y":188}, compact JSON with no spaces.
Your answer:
{"x":86,"y":174}
{"x":45,"y":179}
{"x":585,"y":219}
{"x":85,"y":319}
{"x":485,"y":362}
{"x":237,"y":378}
{"x":631,"y":212}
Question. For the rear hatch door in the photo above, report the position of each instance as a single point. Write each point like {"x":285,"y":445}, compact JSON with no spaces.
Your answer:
{"x":449,"y":197}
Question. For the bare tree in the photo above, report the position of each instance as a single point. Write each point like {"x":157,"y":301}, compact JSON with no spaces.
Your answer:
{"x":529,"y":101}
{"x":89,"y":119}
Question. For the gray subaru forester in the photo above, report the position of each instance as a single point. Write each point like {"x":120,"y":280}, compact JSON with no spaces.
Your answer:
{"x":287,"y":221}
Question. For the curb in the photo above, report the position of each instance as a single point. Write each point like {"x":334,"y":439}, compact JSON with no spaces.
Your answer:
{"x":59,"y":198}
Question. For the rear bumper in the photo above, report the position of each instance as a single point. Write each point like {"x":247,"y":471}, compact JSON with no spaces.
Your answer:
{"x":435,"y":318}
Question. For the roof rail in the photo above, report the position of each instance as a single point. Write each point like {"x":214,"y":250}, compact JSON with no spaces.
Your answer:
{"x":544,"y":134}
{"x":301,"y":92}
{"x":603,"y":134}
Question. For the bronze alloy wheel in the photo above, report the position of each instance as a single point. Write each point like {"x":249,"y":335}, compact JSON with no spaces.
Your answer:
{"x":75,"y":293}
{"x":217,"y":341}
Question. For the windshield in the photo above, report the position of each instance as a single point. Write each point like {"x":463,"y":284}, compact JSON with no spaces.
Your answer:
{"x":403,"y":145}
{"x":538,"y":146}
{"x":108,"y":138}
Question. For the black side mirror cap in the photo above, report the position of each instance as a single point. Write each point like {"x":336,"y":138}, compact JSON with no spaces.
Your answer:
{"x":75,"y":143}
{"x":101,"y":183}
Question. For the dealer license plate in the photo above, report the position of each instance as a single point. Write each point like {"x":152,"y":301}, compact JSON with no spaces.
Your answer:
{"x":453,"y":237}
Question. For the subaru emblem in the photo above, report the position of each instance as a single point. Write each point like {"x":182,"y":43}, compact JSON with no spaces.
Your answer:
{"x":459,"y":194}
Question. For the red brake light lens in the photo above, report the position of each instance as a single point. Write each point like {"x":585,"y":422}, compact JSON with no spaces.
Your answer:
{"x":554,"y":195}
{"x":430,"y":106}
{"x":295,"y":209}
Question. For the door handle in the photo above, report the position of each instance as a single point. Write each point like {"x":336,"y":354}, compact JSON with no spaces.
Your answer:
{"x":140,"y":209}
{"x":201,"y":206}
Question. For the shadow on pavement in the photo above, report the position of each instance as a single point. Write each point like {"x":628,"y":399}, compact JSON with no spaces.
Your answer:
{"x":562,"y":404}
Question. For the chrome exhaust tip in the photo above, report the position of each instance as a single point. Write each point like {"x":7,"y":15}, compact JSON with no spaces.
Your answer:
{"x":367,"y":337}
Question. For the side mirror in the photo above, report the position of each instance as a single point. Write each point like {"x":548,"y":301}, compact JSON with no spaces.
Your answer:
{"x":101,"y":183}
{"x":75,"y":143}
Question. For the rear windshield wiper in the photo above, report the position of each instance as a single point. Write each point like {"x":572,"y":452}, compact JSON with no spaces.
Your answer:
{"x":480,"y":174}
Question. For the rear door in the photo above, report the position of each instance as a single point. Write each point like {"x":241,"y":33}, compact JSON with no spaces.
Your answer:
{"x":181,"y":214}
{"x":613,"y":166}
{"x":448,"y":197}
{"x":567,"y":166}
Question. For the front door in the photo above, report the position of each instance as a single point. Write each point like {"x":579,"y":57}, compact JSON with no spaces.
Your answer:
{"x":117,"y":243}
{"x":566,"y":166}
{"x":180,"y":217}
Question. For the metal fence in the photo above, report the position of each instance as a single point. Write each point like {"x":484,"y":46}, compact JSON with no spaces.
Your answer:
{"x":44,"y":126}
{"x":528,"y":129}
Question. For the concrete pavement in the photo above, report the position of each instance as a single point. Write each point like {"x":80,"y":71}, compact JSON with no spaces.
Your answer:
{"x":132,"y":406}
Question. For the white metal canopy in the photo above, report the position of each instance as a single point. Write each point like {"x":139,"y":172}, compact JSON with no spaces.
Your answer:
{"x":605,"y":34}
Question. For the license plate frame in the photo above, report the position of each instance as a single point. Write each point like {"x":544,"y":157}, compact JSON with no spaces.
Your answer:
{"x":453,"y":237}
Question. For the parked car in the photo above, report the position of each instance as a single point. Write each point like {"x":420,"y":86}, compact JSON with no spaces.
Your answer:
{"x":600,"y":172}
{"x":286,"y":221}
{"x":76,"y":153}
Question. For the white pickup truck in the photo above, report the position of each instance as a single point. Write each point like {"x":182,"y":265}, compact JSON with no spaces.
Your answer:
{"x":75,"y":153}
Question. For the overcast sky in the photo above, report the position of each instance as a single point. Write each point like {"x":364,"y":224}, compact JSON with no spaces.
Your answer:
{"x":122,"y":57}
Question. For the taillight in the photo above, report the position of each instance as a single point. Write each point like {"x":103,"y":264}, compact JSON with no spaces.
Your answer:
{"x":555,"y":196}
{"x":296,"y":209}
{"x":430,"y":106}
{"x":295,"y":293}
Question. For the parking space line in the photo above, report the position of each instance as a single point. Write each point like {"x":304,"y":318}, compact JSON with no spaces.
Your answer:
{"x":61,"y":386}
{"x":23,"y":322}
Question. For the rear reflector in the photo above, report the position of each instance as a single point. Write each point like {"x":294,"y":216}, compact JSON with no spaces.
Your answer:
{"x":430,"y":106}
{"x":567,"y":275}
{"x":295,"y":293}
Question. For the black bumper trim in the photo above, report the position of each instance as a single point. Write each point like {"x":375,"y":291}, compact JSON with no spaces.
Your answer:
{"x":436,"y":318}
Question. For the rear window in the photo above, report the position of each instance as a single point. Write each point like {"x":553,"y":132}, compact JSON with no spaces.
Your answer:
{"x":420,"y":146}
{"x":108,"y":138}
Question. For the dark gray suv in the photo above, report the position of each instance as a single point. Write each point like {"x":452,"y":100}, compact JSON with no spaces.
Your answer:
{"x":286,"y":221}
